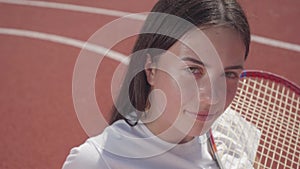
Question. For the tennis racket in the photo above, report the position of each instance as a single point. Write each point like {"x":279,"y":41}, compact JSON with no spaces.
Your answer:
{"x":272,"y":104}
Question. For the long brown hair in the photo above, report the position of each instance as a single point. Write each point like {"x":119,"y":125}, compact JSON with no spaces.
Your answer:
{"x":200,"y":13}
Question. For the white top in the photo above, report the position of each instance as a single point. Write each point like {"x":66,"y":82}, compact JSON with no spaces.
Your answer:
{"x":123,"y":146}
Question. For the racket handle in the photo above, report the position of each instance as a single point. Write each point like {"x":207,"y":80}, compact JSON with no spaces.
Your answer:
{"x":213,"y":148}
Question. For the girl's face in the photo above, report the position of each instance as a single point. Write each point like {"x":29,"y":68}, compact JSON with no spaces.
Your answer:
{"x":193,"y":82}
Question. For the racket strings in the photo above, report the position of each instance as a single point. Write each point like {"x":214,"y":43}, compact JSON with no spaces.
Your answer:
{"x":259,"y":95}
{"x":274,"y":109}
{"x":230,"y":135}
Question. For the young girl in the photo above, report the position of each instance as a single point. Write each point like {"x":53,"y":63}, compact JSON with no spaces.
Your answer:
{"x":183,"y":73}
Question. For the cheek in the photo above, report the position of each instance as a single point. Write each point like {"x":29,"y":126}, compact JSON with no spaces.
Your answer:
{"x":168,"y":85}
{"x":231,"y":90}
{"x":177,"y":87}
{"x":188,"y":89}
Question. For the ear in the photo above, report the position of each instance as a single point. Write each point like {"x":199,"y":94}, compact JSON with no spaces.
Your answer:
{"x":150,"y":70}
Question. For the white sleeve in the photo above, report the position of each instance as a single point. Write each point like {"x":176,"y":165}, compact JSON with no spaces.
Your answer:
{"x":85,"y":156}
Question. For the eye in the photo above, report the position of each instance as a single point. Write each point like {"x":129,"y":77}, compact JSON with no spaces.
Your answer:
{"x":196,"y":71}
{"x":232,"y":75}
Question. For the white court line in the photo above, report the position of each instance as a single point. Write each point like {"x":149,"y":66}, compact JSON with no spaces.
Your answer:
{"x":116,"y":13}
{"x":275,"y":43}
{"x":77,"y":8}
{"x":66,"y":41}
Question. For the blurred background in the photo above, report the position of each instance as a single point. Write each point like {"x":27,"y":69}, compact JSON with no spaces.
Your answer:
{"x":40,"y":42}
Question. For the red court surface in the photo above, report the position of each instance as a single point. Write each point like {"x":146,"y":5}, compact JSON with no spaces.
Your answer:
{"x":38,"y":124}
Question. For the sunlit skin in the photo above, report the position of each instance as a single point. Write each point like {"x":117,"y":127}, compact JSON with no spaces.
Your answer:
{"x":196,"y":89}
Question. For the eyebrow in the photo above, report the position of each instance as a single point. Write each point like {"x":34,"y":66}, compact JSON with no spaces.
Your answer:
{"x":201,"y":63}
{"x":193,"y":60}
{"x":235,"y":67}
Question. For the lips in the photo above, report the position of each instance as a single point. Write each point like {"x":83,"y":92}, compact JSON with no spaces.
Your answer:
{"x":201,"y":116}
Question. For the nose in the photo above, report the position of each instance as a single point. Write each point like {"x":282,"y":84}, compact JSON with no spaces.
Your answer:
{"x":208,"y":96}
{"x":209,"y":93}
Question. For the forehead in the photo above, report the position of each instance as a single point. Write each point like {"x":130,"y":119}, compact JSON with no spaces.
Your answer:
{"x":213,"y":46}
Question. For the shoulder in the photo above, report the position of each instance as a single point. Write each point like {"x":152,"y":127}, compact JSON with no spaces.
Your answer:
{"x":85,"y":156}
{"x":90,"y":155}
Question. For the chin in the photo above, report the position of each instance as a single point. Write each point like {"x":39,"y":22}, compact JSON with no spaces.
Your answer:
{"x":198,"y":130}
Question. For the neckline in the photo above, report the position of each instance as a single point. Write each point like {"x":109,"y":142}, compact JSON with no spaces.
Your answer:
{"x":202,"y":139}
